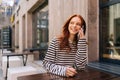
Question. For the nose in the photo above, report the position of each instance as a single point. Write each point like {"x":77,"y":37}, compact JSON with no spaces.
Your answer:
{"x":74,"y":25}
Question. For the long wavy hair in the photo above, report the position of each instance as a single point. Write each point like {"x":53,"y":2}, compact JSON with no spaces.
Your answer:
{"x":64,"y":42}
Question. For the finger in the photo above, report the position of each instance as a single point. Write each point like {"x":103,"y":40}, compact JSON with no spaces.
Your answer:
{"x":73,"y":70}
{"x":81,"y":34}
{"x":81,"y":29}
{"x":69,"y":72}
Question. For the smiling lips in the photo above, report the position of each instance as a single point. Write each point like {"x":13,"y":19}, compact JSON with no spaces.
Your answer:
{"x":74,"y":30}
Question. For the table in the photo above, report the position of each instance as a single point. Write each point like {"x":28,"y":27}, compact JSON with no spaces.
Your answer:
{"x":24,"y":57}
{"x":87,"y":74}
{"x":40,"y":50}
{"x":35,"y":49}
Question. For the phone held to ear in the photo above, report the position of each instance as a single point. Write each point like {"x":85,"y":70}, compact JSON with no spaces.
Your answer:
{"x":80,"y":33}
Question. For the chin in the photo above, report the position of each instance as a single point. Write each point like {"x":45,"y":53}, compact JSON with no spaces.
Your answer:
{"x":73,"y":33}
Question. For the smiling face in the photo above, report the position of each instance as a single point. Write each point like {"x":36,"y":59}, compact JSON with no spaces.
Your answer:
{"x":74,"y":25}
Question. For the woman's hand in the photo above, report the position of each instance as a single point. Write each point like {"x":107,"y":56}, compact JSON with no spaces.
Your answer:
{"x":70,"y":72}
{"x":81,"y":34}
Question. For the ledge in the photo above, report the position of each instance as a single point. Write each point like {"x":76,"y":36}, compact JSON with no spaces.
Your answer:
{"x":107,"y":67}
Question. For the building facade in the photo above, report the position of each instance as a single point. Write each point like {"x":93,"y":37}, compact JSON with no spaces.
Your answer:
{"x":37,"y":23}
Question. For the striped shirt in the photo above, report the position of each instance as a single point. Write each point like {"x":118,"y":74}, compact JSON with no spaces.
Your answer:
{"x":56,"y":60}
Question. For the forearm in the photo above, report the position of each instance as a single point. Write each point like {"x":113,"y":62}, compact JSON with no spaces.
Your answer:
{"x":55,"y":69}
{"x":81,"y":56}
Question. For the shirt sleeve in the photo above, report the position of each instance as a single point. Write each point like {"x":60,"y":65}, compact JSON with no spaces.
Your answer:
{"x":49,"y":61}
{"x":81,"y":55}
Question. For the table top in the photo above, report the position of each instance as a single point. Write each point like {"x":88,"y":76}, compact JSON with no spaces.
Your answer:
{"x":15,"y":54}
{"x":35,"y":49}
{"x":88,"y":74}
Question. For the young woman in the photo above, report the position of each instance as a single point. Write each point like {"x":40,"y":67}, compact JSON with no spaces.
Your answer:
{"x":68,"y":49}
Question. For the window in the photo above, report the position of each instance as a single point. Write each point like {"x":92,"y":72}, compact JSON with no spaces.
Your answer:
{"x":41,"y":28}
{"x":110,"y":31}
{"x":5,"y":37}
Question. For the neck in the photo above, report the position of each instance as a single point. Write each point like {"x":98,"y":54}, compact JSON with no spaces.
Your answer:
{"x":71,"y":38}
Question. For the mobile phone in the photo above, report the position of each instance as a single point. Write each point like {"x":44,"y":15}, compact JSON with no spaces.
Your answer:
{"x":82,"y":28}
{"x":78,"y":35}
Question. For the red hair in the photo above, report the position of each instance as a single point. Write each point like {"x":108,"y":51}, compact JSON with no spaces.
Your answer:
{"x":64,"y":43}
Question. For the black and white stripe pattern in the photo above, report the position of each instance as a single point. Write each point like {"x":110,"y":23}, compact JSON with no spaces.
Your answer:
{"x":56,"y":60}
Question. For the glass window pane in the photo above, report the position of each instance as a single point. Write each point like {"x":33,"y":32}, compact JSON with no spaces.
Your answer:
{"x":41,"y":28}
{"x":110,"y":36}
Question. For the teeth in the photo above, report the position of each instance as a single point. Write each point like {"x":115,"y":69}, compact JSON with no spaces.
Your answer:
{"x":74,"y":30}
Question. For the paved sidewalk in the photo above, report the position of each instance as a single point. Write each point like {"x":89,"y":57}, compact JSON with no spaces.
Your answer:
{"x":35,"y":64}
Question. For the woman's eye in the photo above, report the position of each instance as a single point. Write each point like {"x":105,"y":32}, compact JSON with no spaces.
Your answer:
{"x":74,"y":23}
{"x":78,"y":24}
{"x":71,"y":22}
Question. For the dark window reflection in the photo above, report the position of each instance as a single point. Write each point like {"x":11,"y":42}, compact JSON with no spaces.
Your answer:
{"x":110,"y":31}
{"x":40,"y":28}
